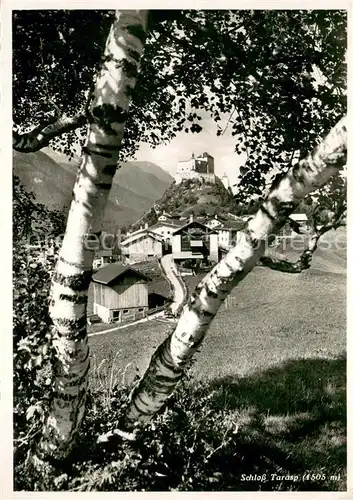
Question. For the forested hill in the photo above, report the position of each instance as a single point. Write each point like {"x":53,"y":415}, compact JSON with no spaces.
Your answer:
{"x":192,"y":197}
{"x":136,"y":186}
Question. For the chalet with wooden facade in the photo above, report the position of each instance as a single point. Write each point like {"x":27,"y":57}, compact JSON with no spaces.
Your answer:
{"x":195,"y":241}
{"x":141,"y":245}
{"x":120,"y":293}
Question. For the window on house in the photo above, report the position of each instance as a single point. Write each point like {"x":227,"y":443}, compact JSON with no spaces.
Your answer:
{"x":125,"y":311}
{"x":141,"y":309}
{"x":116,"y":314}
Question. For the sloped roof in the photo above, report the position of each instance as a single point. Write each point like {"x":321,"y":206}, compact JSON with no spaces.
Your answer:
{"x":195,"y":223}
{"x":202,"y":155}
{"x":160,"y":287}
{"x":232,"y":224}
{"x":104,"y":253}
{"x":112,"y":272}
{"x":298,"y":217}
{"x":173,"y":223}
{"x":224,"y":218}
{"x":141,"y":234}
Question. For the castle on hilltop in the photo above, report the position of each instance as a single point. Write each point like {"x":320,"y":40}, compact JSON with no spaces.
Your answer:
{"x":201,"y":167}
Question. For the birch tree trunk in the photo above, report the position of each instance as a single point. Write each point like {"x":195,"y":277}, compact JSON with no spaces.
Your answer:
{"x":170,"y":359}
{"x":107,"y":114}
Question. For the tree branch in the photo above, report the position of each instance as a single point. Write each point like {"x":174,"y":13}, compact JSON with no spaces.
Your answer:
{"x":229,"y":119}
{"x":41,"y":135}
{"x":282,"y":265}
{"x":304,"y":261}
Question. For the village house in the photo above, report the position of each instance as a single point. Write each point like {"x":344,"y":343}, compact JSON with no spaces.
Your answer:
{"x":166,"y":228}
{"x":213,"y":222}
{"x":141,"y":245}
{"x":120,"y":293}
{"x":195,"y":240}
{"x":228,"y":233}
{"x":165,"y":216}
{"x":219,"y":220}
{"x":102,"y":257}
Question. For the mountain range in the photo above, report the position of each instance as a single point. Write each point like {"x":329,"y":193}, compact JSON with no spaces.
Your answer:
{"x":136,"y":186}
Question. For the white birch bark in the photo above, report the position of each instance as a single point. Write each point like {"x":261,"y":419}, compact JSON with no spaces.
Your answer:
{"x":170,"y":359}
{"x":106,"y":116}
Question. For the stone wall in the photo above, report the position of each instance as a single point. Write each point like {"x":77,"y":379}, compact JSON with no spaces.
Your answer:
{"x":179,"y":177}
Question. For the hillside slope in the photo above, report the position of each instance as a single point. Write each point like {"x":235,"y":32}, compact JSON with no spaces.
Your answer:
{"x":192,"y":197}
{"x":329,"y":257}
{"x":51,"y":177}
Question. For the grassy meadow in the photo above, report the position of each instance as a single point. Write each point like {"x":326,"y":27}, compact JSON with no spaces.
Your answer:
{"x":271,"y":317}
{"x":263,"y":406}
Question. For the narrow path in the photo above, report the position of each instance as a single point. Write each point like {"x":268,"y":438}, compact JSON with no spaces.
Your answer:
{"x":172,"y":274}
{"x":154,"y":317}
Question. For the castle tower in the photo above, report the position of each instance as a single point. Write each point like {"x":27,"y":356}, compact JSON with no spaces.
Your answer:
{"x":200,"y":167}
{"x":205,"y":164}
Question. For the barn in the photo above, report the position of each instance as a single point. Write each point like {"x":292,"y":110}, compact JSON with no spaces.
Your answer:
{"x":120,"y":293}
{"x":159,"y":294}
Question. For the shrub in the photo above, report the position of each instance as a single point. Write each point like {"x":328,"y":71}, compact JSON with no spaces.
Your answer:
{"x":208,"y":438}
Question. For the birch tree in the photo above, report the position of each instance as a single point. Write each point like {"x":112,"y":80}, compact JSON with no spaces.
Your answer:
{"x":107,"y":113}
{"x":173,"y":355}
{"x":234,"y":53}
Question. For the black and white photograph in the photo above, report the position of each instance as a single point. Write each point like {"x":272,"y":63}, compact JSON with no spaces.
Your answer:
{"x":179,"y":268}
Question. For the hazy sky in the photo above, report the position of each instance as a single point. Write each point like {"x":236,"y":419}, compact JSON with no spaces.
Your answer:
{"x":221,"y":148}
{"x":182,"y":147}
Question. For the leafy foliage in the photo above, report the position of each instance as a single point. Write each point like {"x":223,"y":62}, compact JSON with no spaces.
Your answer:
{"x":210,"y":438}
{"x":277,"y":77}
{"x":34,"y":226}
{"x":328,"y":206}
{"x":56,"y":54}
